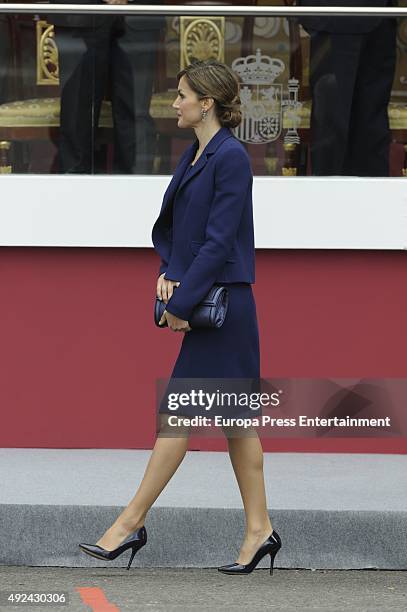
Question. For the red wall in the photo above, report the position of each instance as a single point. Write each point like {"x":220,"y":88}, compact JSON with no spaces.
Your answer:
{"x":80,"y":354}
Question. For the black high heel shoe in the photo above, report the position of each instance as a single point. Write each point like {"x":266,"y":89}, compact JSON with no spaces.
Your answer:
{"x":270,"y":547}
{"x":135,"y":541}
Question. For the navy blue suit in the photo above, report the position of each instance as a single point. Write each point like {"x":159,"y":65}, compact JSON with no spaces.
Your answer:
{"x":204,"y":235}
{"x":352,"y":64}
{"x":213,"y":238}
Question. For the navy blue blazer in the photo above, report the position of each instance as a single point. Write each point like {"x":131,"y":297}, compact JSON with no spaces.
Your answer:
{"x":215,"y":243}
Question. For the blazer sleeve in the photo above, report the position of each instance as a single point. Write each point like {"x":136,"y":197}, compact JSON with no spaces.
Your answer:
{"x":163,"y":267}
{"x":233,"y":179}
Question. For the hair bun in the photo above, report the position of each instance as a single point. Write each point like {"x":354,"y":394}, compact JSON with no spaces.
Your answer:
{"x":230,"y":118}
{"x":230,"y":113}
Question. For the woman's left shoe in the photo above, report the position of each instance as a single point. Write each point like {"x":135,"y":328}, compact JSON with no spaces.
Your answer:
{"x":135,"y":541}
{"x":270,"y":547}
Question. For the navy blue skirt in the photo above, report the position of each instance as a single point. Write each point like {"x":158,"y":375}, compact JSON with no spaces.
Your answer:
{"x":228,"y":352}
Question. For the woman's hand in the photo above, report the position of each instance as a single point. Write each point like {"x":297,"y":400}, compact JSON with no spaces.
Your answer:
{"x":174,"y":322}
{"x":165,"y":288}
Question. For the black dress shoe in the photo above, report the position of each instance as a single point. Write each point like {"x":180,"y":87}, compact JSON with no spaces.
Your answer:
{"x":270,"y":547}
{"x":135,"y":541}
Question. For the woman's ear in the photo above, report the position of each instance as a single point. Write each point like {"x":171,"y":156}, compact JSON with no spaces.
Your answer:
{"x":208,"y":103}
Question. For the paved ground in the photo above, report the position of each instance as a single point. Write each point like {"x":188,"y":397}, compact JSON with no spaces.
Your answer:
{"x":206,"y":589}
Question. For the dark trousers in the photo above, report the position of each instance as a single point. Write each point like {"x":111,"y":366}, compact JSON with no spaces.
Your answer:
{"x":5,"y":53}
{"x":87,"y":57}
{"x":351,"y":77}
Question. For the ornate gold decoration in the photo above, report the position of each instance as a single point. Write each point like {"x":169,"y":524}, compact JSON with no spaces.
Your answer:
{"x":5,"y":167}
{"x":289,"y":171}
{"x":47,"y":55}
{"x":289,"y":168}
{"x":201,"y":38}
{"x":271,"y":164}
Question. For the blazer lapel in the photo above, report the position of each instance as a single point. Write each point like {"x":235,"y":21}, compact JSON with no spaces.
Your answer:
{"x":210,"y":148}
{"x":197,"y":167}
{"x":178,"y":174}
{"x":179,"y":179}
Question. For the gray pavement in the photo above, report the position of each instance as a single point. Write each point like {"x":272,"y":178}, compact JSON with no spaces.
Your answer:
{"x":323,"y":505}
{"x":110,"y":477}
{"x":207,"y":589}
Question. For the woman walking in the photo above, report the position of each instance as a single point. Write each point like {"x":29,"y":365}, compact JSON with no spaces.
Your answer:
{"x":204,"y":236}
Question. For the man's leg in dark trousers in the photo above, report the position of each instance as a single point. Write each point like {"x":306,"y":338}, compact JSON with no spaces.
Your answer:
{"x":5,"y":56}
{"x":84,"y":65}
{"x":133,"y":67}
{"x":369,"y":141}
{"x":334,"y":60}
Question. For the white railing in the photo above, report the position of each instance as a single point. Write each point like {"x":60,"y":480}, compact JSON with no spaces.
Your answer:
{"x":216,"y":9}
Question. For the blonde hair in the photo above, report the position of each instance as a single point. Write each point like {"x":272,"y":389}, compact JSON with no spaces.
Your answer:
{"x":212,"y":79}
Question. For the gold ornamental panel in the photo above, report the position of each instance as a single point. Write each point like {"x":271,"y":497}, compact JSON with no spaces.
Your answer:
{"x":202,"y":38}
{"x":47,"y":55}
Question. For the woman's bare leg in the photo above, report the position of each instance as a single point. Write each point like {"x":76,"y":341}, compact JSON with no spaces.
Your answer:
{"x":167,"y":455}
{"x":246,"y":455}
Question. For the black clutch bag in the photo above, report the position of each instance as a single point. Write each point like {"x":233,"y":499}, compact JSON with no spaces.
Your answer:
{"x":211,"y":312}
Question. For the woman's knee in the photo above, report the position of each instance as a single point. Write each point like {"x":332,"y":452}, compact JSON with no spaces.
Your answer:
{"x":166,"y":429}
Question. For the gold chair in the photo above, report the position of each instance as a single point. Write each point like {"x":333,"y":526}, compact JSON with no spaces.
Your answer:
{"x":37,"y":119}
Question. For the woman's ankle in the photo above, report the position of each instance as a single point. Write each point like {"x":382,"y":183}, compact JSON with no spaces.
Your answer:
{"x":129,"y":524}
{"x":259,"y":530}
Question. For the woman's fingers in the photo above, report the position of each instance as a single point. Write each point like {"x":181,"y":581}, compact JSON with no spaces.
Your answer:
{"x":159,"y":292}
{"x":170,"y":290}
{"x":176,"y":324}
{"x":160,"y":283}
{"x":171,"y":285}
{"x":164,"y":291}
{"x":165,"y":288}
{"x":173,"y":322}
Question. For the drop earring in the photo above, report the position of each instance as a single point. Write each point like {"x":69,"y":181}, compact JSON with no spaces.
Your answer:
{"x":204,"y":112}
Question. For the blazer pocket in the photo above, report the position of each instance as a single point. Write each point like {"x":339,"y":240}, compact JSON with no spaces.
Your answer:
{"x":195,"y":247}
